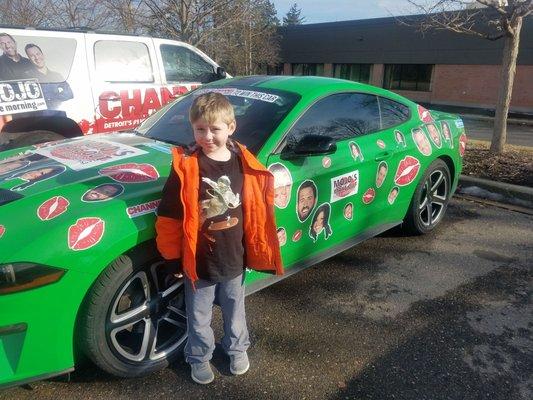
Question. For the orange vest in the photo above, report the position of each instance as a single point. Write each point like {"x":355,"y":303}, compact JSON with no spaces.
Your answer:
{"x":177,"y":239}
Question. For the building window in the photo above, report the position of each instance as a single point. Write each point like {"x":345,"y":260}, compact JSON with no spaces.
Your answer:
{"x":308,"y":69}
{"x":274,"y":69}
{"x":408,"y":77}
{"x":352,"y":72}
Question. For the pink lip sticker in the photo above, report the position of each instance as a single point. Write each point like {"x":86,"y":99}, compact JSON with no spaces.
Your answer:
{"x":85,"y":233}
{"x":462,"y":144}
{"x":424,"y":114}
{"x":52,"y":208}
{"x":407,"y":171}
{"x":297,"y":235}
{"x":2,"y":230}
{"x":381,"y":144}
{"x":131,"y":173}
{"x":326,"y":162}
{"x":369,"y":195}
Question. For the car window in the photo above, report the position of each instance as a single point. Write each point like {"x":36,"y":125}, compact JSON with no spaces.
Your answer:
{"x":183,"y":65}
{"x":258,"y":113}
{"x":122,"y":61}
{"x":339,"y":116}
{"x":392,"y":112}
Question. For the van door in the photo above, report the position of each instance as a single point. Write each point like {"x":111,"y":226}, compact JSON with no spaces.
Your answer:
{"x":125,"y":80}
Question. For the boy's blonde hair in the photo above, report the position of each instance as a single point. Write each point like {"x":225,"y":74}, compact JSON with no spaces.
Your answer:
{"x":212,"y":106}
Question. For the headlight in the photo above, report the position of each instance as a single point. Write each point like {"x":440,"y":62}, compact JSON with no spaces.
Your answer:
{"x":17,"y":277}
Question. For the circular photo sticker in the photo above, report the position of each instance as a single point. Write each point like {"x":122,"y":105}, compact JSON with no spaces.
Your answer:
{"x":297,"y":235}
{"x":462,"y":144}
{"x":434,"y":134}
{"x":326,"y":162}
{"x":306,"y":199}
{"x":391,"y":198}
{"x":446,"y":132}
{"x":103,"y":192}
{"x":282,"y":236}
{"x":381,"y":174}
{"x":348,"y":211}
{"x":7,"y":167}
{"x":400,"y":138}
{"x":320,"y":222}
{"x":282,"y":184}
{"x":421,"y":141}
{"x":355,"y":151}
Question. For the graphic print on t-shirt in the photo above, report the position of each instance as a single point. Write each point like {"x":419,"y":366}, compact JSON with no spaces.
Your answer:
{"x":221,"y":198}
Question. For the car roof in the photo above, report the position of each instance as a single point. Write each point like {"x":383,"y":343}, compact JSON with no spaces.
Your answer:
{"x":306,"y":85}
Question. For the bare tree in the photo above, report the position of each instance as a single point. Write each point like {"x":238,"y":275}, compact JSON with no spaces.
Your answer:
{"x":79,"y":13}
{"x":488,"y":19}
{"x":128,"y":16}
{"x":24,"y":12}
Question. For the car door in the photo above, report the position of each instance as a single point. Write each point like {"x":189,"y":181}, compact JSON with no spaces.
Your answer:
{"x":320,"y":199}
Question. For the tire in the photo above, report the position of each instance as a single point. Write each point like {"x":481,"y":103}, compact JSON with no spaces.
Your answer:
{"x":9,"y":140}
{"x":428,"y":207}
{"x":133,"y":320}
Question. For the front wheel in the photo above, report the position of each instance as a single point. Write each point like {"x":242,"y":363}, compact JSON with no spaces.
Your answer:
{"x":430,"y":199}
{"x":133,"y":321}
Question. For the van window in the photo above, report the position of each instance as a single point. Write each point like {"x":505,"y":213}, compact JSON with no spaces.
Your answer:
{"x":184,"y":65}
{"x":122,"y":61}
{"x":47,"y":59}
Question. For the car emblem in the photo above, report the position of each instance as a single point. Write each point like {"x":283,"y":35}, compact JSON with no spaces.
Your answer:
{"x":462,"y":144}
{"x":85,"y":233}
{"x":131,"y":173}
{"x":369,"y":195}
{"x":52,"y":208}
{"x":407,"y":171}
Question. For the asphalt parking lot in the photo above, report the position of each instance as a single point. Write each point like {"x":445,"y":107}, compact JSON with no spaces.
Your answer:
{"x":445,"y":316}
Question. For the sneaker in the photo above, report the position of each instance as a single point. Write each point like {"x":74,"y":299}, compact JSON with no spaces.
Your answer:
{"x":202,"y":373}
{"x":239,"y":364}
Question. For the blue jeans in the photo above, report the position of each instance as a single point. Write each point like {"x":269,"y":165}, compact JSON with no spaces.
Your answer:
{"x":199,"y":303}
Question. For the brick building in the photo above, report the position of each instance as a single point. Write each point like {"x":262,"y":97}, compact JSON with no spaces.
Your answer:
{"x":438,"y":68}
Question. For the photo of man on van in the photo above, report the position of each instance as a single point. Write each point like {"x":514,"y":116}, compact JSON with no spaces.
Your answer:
{"x":12,"y":65}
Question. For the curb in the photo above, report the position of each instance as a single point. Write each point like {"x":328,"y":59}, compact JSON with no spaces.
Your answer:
{"x":496,"y":191}
{"x":512,"y":121}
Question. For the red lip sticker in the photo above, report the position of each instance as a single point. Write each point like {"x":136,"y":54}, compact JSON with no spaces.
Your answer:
{"x":407,"y":171}
{"x":297,"y":235}
{"x":424,"y":114}
{"x":131,"y":173}
{"x":2,"y":230}
{"x":53,"y":207}
{"x":381,"y":144}
{"x":369,"y":195}
{"x":85,"y":233}
{"x":326,"y":162}
{"x":462,"y":144}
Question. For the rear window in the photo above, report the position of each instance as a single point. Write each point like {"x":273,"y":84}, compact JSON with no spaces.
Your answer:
{"x":258,"y":113}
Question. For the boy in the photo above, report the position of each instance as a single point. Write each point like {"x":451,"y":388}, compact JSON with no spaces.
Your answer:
{"x":216,"y":217}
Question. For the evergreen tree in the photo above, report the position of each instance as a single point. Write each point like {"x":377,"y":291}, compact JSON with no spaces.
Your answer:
{"x":293,"y":16}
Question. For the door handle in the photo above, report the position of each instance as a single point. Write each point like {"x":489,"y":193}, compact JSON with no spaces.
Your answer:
{"x":383,"y":156}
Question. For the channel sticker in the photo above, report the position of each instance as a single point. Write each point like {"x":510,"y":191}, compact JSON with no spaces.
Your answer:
{"x":143,"y":209}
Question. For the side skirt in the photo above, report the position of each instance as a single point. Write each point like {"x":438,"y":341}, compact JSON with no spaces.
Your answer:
{"x":35,"y":378}
{"x":301,"y":265}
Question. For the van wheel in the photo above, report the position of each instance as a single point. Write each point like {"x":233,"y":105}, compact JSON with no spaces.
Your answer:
{"x":13,"y":140}
{"x":430,"y":200}
{"x":133,"y":321}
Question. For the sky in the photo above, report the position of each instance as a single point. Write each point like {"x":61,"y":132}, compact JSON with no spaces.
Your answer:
{"x":316,"y":11}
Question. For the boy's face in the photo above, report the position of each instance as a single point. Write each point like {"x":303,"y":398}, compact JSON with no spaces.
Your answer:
{"x":212,"y":137}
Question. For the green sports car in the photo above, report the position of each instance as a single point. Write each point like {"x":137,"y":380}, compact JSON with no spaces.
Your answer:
{"x":78,"y":265}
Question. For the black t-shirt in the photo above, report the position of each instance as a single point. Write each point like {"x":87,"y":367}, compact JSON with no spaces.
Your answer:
{"x":12,"y":70}
{"x":220,"y":250}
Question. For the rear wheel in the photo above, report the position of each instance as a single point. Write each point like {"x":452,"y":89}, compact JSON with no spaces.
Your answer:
{"x":133,"y":321}
{"x":430,"y":199}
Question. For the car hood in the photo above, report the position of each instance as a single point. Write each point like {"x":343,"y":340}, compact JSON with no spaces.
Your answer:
{"x":127,"y":163}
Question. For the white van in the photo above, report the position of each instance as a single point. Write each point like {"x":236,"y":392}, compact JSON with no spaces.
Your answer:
{"x":66,"y":83}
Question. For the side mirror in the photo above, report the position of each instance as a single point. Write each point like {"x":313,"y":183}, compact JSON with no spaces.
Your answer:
{"x":314,"y":144}
{"x":221,"y":73}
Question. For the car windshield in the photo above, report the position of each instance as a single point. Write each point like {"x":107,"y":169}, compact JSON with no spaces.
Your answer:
{"x":258,"y":112}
